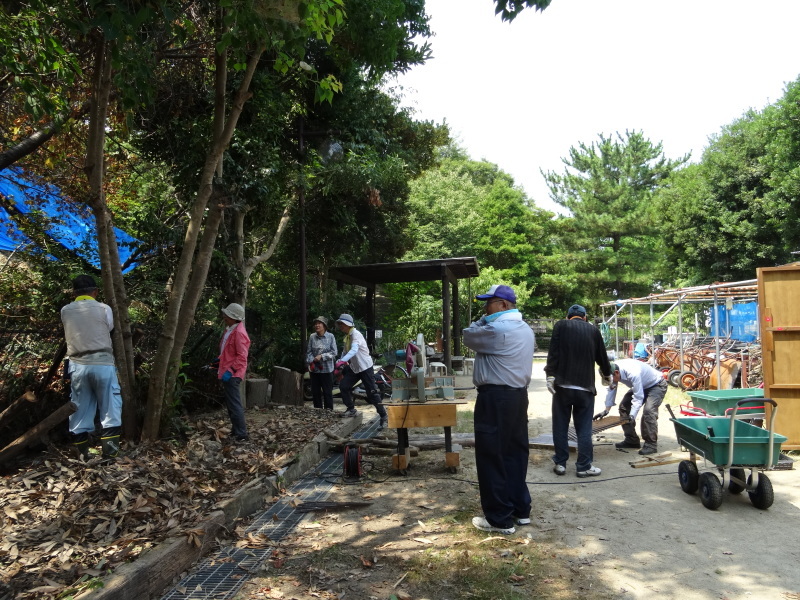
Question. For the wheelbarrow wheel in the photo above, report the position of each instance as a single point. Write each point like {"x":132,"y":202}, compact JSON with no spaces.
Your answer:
{"x":688,"y":476}
{"x":733,"y":487}
{"x":710,"y":491}
{"x":762,"y":497}
{"x":687,"y":380}
{"x":673,"y":378}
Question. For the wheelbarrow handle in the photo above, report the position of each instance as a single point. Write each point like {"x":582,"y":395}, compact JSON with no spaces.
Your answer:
{"x":740,"y":402}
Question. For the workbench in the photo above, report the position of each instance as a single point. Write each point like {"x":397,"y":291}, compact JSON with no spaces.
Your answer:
{"x":410,"y":415}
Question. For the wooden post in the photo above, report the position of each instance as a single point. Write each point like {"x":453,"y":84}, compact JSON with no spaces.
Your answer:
{"x":286,"y":386}
{"x":33,"y":434}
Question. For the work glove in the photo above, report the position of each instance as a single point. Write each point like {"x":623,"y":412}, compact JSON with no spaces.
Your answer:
{"x":340,"y":363}
{"x":226,"y":376}
{"x":632,"y":418}
{"x":551,"y":385}
{"x":600,"y":415}
{"x":606,"y":380}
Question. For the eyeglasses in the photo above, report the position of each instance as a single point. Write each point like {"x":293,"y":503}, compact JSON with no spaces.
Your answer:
{"x":488,"y":302}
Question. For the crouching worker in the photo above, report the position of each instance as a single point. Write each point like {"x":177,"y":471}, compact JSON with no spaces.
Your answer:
{"x":647,"y":390}
{"x":94,"y":386}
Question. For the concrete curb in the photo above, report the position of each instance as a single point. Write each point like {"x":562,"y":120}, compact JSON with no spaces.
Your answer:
{"x":156,"y":569}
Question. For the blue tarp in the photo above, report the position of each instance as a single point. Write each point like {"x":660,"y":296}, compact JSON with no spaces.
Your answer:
{"x":69,"y":224}
{"x":741,"y":321}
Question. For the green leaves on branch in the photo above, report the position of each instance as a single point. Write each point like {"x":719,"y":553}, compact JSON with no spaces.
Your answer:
{"x":509,"y":9}
{"x":321,"y":17}
{"x":37,"y":61}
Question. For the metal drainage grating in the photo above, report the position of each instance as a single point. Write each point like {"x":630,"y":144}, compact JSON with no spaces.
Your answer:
{"x":220,"y":576}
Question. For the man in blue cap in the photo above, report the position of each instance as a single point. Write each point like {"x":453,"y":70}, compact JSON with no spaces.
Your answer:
{"x":503,"y":345}
{"x":575,"y":347}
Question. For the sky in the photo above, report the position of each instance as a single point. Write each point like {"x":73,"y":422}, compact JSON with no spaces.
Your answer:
{"x":520,"y":94}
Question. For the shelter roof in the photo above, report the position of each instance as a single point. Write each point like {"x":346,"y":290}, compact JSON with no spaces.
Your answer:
{"x":737,"y":290}
{"x":403,"y":272}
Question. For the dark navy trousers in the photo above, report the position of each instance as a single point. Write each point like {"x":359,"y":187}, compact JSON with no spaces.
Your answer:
{"x":233,"y":400}
{"x":501,"y":453}
{"x":579,"y":405}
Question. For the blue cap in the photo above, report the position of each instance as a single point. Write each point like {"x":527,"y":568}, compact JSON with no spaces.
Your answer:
{"x":499,"y":291}
{"x":576,"y":310}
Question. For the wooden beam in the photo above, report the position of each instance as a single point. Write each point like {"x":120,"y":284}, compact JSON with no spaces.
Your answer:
{"x":33,"y":434}
{"x":370,"y":321}
{"x":411,"y":416}
{"x":446,"y":320}
{"x":456,"y":321}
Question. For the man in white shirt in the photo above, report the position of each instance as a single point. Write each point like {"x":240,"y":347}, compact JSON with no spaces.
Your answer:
{"x":647,"y":390}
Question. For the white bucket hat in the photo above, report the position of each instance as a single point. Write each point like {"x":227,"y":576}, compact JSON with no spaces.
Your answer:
{"x":234,"y":311}
{"x":346,"y":319}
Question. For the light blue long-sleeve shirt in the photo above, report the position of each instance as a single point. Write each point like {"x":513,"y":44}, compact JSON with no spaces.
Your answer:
{"x":504,"y":350}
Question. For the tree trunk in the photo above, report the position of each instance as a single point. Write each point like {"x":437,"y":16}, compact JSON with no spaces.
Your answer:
{"x":194,"y":291}
{"x":251,"y":263}
{"x":169,"y":345}
{"x":113,"y":285}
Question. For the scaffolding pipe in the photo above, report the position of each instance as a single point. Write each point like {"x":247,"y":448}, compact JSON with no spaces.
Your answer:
{"x":716,"y":343}
{"x":666,"y":312}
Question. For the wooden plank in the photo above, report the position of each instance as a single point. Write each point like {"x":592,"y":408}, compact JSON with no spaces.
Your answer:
{"x":410,"y":416}
{"x":654,"y":463}
{"x":400,"y":462}
{"x":651,"y":460}
{"x":452,"y":459}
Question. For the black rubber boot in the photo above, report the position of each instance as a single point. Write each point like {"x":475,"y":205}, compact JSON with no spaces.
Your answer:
{"x":80,"y":446}
{"x":110,"y":446}
{"x":109,"y":440}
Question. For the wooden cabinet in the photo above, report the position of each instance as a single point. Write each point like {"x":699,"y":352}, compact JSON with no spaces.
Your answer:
{"x":779,"y":320}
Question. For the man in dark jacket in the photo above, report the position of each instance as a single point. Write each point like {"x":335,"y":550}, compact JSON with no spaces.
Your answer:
{"x":575,"y":347}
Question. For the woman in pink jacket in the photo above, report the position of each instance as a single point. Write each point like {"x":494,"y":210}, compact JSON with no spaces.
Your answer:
{"x":233,"y":352}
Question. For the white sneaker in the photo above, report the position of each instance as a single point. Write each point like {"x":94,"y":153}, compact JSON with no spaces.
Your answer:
{"x":484,"y":525}
{"x":590,"y":472}
{"x":559,"y":469}
{"x":524,"y":521}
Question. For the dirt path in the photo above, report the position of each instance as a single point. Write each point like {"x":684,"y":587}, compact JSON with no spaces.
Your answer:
{"x":647,"y":538}
{"x":630,"y":534}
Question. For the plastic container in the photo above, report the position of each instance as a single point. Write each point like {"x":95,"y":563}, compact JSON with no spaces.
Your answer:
{"x":710,"y":438}
{"x":716,"y":402}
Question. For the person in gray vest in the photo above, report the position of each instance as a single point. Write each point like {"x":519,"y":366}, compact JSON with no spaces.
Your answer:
{"x":93,"y":376}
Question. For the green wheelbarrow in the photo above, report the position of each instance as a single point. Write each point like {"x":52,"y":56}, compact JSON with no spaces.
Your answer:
{"x":733,"y":446}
